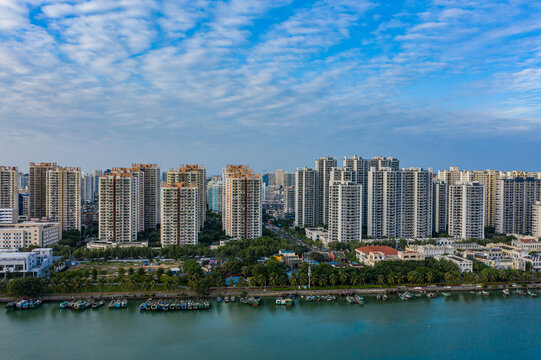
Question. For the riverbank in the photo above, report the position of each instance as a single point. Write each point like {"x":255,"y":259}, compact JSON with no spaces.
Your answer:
{"x":214,"y":292}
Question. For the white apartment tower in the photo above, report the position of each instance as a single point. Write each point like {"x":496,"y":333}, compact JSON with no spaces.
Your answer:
{"x":416,"y":203}
{"x":192,"y":175}
{"x":179,"y":218}
{"x":345,"y":211}
{"x":37,"y":187}
{"x":536,"y":219}
{"x":439,"y":206}
{"x":241,"y":213}
{"x":151,"y":193}
{"x":121,"y":204}
{"x":515,"y":199}
{"x":306,"y":202}
{"x":324,"y":166}
{"x":360,"y":168}
{"x":9,"y":189}
{"x":466,"y":210}
{"x":289,"y":200}
{"x":384,"y":203}
{"x":63,"y":197}
{"x":214,"y":195}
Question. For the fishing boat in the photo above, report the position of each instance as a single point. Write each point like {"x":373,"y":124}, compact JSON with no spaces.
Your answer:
{"x":506,"y":292}
{"x":485,"y":293}
{"x":359,"y":300}
{"x":432,"y":295}
{"x":532,"y":293}
{"x":124,"y":303}
{"x":98,"y":304}
{"x":233,"y":299}
{"x":351,"y":299}
{"x":384,"y":297}
{"x":226,"y":299}
{"x":112,"y":304}
{"x":11,"y":305}
{"x":446,"y":294}
{"x":219,"y":299}
{"x":243,"y":300}
{"x":311,"y":298}
{"x":255,"y":301}
{"x":520,"y":292}
{"x":280,"y":301}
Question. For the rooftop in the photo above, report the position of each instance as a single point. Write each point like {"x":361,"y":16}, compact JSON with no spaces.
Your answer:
{"x":386,"y":250}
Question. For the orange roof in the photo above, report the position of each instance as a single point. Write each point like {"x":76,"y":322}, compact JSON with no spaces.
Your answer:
{"x":528,"y":240}
{"x":386,"y":250}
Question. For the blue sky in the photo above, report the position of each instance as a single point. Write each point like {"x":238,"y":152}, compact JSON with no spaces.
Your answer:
{"x":271,"y":83}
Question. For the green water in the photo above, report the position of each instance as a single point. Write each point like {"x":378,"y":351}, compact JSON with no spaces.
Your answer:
{"x":461,"y":326}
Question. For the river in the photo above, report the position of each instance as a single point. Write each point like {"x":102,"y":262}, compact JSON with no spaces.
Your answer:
{"x":462,"y":326}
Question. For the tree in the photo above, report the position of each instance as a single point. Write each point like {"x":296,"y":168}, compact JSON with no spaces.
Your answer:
{"x":29,"y":286}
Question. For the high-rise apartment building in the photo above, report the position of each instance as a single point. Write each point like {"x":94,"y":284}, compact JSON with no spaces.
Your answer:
{"x":37,"y":187}
{"x":466,"y":210}
{"x":63,"y":197}
{"x":306,"y":197}
{"x":536,"y":219}
{"x":269,"y":179}
{"x":345,"y":211}
{"x":152,"y":194}
{"x":515,"y":198}
{"x":343,"y":174}
{"x":121,"y":204}
{"x":279,"y":178}
{"x":439,"y":206}
{"x":289,"y":200}
{"x":289,"y":179}
{"x":192,"y":175}
{"x":179,"y":218}
{"x":87,"y":187}
{"x":324,"y":166}
{"x":9,"y":187}
{"x":384,"y":203}
{"x":487,"y":178}
{"x":360,"y":168}
{"x":241,"y":213}
{"x":416,"y":203}
{"x":380,"y":162}
{"x":215,"y":188}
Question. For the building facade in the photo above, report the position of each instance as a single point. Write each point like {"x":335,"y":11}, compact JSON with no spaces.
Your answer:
{"x":179,"y":214}
{"x":121,"y":204}
{"x":215,"y":188}
{"x":63,"y":197}
{"x":515,"y":199}
{"x":37,"y":188}
{"x":467,"y":210}
{"x":345,"y":211}
{"x":192,"y":175}
{"x":324,"y":166}
{"x":439,"y":206}
{"x":306,"y":198}
{"x":32,"y":233}
{"x":9,"y":187}
{"x":151,"y":193}
{"x":242,"y":211}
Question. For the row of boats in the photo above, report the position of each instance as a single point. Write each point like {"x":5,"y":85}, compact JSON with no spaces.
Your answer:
{"x":82,"y":304}
{"x":521,"y":292}
{"x":173,"y":305}
{"x":24,"y":304}
{"x":249,"y":300}
{"x":313,"y":298}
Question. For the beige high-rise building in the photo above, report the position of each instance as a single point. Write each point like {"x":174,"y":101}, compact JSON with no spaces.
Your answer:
{"x":9,"y":188}
{"x":63,"y":197}
{"x":536,"y":219}
{"x":487,"y":178}
{"x":192,"y":175}
{"x":152,"y":194}
{"x":417,"y":199}
{"x":241,"y":213}
{"x":121,"y":204}
{"x":467,"y":210}
{"x":345,"y":211}
{"x":324,"y":166}
{"x":289,"y":200}
{"x":279,"y":177}
{"x":439,"y":206}
{"x":37,"y":187}
{"x":384,"y":203}
{"x":179,"y":214}
{"x":451,"y":176}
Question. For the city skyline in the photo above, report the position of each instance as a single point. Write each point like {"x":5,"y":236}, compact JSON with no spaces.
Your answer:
{"x":266,"y":82}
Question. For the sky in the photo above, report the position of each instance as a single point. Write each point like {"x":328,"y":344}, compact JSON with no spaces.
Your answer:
{"x":270,"y":83}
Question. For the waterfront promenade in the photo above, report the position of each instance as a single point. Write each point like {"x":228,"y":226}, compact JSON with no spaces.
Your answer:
{"x":228,"y":291}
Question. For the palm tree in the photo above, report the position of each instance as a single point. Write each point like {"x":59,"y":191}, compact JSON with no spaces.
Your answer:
{"x":429,"y":277}
{"x":333,"y":279}
{"x":412,"y":276}
{"x":380,"y":280}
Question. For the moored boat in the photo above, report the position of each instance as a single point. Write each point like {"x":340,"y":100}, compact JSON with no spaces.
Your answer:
{"x":506,"y":292}
{"x":532,"y":293}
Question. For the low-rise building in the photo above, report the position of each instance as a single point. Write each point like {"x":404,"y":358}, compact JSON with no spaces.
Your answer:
{"x":31,"y":233}
{"x":34,"y":263}
{"x":466,"y":246}
{"x":465,"y":265}
{"x":528,"y":244}
{"x":9,"y":215}
{"x":370,"y":255}
{"x":534,"y":259}
{"x":410,"y":256}
{"x":432,"y":250}
{"x":102,"y":244}
{"x":317,"y":234}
